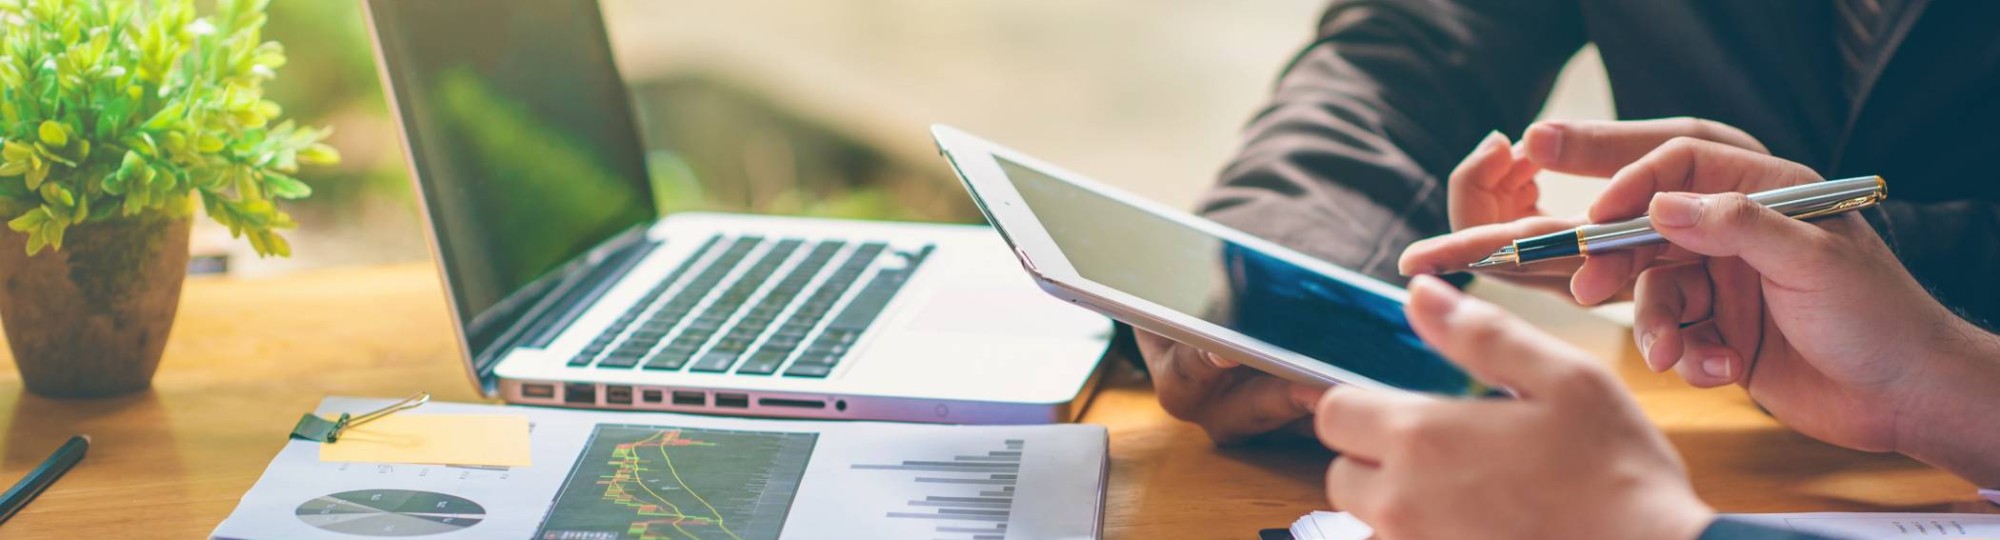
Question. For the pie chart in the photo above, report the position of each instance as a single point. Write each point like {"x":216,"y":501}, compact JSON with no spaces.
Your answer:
{"x":391,"y":512}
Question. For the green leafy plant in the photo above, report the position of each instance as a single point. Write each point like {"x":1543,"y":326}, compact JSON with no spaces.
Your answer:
{"x":116,"y":108}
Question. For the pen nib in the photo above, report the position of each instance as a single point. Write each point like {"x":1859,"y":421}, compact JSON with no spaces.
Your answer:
{"x":1498,"y":258}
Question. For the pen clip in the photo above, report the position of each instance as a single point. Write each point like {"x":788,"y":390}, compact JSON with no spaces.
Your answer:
{"x":311,"y":427}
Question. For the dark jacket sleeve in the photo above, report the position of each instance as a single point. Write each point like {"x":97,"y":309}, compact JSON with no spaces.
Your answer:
{"x":1953,"y":248}
{"x":1726,"y":528}
{"x":1348,"y":159}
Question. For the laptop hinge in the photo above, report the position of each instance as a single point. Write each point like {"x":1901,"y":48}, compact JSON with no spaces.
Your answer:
{"x":569,"y":298}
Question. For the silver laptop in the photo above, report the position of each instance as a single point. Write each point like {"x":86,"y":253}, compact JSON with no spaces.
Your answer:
{"x":570,"y":290}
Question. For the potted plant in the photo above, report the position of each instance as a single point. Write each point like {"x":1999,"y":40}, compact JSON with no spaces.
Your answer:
{"x":117,"y":117}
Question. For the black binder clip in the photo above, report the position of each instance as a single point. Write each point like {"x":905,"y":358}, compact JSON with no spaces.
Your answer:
{"x":313,"y":428}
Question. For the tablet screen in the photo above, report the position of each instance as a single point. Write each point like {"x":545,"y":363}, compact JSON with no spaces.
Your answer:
{"x":1234,"y":286}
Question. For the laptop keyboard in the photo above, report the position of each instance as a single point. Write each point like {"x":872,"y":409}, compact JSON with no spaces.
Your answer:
{"x":721,"y":319}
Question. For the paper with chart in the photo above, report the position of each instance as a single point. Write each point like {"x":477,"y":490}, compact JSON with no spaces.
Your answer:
{"x":609,"y":475}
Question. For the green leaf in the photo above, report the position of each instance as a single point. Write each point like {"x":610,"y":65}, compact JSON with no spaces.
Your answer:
{"x":52,"y":232}
{"x":319,"y":154}
{"x":286,"y":187}
{"x":53,"y":134}
{"x":29,"y":221}
{"x":37,"y":239}
{"x":36,"y":174}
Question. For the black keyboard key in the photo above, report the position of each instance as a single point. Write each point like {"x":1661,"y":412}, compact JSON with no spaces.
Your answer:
{"x":762,"y":363}
{"x":581,"y":360}
{"x":866,"y":305}
{"x":667,"y":362}
{"x":818,"y":359}
{"x":619,"y":361}
{"x":715,"y":362}
{"x":816,"y":371}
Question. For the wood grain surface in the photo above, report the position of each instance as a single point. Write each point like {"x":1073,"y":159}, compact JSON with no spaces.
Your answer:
{"x":248,"y":356}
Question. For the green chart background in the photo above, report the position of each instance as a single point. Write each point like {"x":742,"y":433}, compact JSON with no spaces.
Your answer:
{"x":748,"y":478}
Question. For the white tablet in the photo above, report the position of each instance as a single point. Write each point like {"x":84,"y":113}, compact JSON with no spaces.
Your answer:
{"x":1197,"y":281}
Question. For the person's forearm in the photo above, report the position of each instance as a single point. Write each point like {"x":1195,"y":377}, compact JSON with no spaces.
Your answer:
{"x":1346,"y":162}
{"x":1950,"y":422}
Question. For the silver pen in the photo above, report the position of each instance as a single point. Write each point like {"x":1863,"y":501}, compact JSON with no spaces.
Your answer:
{"x":1803,"y":202}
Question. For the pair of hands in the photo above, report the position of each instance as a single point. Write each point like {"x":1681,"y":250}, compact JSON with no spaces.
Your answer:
{"x":1817,"y":320}
{"x":1492,"y":200}
{"x":1738,"y":284}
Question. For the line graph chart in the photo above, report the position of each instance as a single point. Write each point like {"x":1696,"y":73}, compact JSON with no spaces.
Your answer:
{"x":660,"y":482}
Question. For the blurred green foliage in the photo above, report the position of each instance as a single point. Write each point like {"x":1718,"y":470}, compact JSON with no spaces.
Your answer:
{"x":114,"y":108}
{"x":563,"y":185}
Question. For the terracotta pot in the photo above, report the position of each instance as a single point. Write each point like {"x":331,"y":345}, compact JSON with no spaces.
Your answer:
{"x":91,"y":319}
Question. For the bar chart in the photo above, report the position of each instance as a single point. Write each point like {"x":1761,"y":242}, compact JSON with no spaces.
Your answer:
{"x":970,"y":496}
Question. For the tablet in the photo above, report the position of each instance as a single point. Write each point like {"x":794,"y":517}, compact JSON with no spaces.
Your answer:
{"x":1196,"y":281}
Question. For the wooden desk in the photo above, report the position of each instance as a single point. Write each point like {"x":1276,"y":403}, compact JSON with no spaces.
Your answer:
{"x":247,"y":357}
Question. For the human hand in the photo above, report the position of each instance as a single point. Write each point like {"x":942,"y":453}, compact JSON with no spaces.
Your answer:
{"x":1817,"y":319}
{"x":1571,"y":457}
{"x":1231,"y":402}
{"x":1493,"y":199}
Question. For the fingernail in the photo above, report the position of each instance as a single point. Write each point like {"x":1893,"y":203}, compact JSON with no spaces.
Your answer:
{"x":1216,"y":361}
{"x":1717,"y":367}
{"x":1306,"y":397}
{"x":1492,"y":140}
{"x":1677,"y":209}
{"x":1544,"y":141}
{"x":1646,"y":346}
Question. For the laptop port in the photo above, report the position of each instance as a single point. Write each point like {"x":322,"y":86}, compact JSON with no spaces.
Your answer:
{"x":732,"y":401}
{"x":538,"y":391}
{"x":618,"y":395}
{"x":580,"y":393}
{"x":649,"y":396}
{"x":792,"y":403}
{"x":690,"y":398}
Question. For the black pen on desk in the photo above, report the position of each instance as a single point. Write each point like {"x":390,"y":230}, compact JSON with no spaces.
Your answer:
{"x":1808,"y":201}
{"x":39,"y":479}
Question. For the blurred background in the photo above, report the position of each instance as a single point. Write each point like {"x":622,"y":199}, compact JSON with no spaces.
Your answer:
{"x":822,"y":107}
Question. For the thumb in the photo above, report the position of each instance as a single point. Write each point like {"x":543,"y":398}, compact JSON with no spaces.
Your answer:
{"x":1787,"y":250}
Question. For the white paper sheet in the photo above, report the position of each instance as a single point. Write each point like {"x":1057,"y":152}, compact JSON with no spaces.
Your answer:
{"x":611,"y":475}
{"x":1857,"y":525}
{"x":1870,"y":526}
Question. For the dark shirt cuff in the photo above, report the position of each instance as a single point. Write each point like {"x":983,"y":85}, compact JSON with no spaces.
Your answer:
{"x":1727,"y":528}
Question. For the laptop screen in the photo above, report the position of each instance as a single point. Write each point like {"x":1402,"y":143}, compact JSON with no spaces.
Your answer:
{"x":522,"y":139}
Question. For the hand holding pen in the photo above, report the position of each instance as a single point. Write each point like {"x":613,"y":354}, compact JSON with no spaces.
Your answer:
{"x":1817,"y":319}
{"x":1803,"y":202}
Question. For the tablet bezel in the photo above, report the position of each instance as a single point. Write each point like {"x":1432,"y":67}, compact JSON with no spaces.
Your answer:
{"x":974,"y":161}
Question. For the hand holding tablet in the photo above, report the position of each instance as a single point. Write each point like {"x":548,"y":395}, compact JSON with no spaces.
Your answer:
{"x":1196,"y":281}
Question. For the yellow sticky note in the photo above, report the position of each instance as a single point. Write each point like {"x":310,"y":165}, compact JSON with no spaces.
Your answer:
{"x":434,"y":439}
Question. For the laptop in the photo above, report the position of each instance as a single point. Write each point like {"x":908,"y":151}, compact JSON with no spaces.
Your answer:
{"x":569,"y":289}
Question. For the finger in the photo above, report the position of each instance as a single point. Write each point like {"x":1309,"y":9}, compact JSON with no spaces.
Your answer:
{"x":1182,"y":376}
{"x":1793,"y":253}
{"x":1251,"y":403}
{"x":1666,"y":299}
{"x":1696,"y":166}
{"x":1494,"y":347}
{"x":1705,"y":362}
{"x":1476,"y":175}
{"x":1487,"y":186}
{"x":1600,"y":148}
{"x":1601,"y":276}
{"x":1458,"y":249}
{"x":1358,"y":422}
{"x":1349,"y":482}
